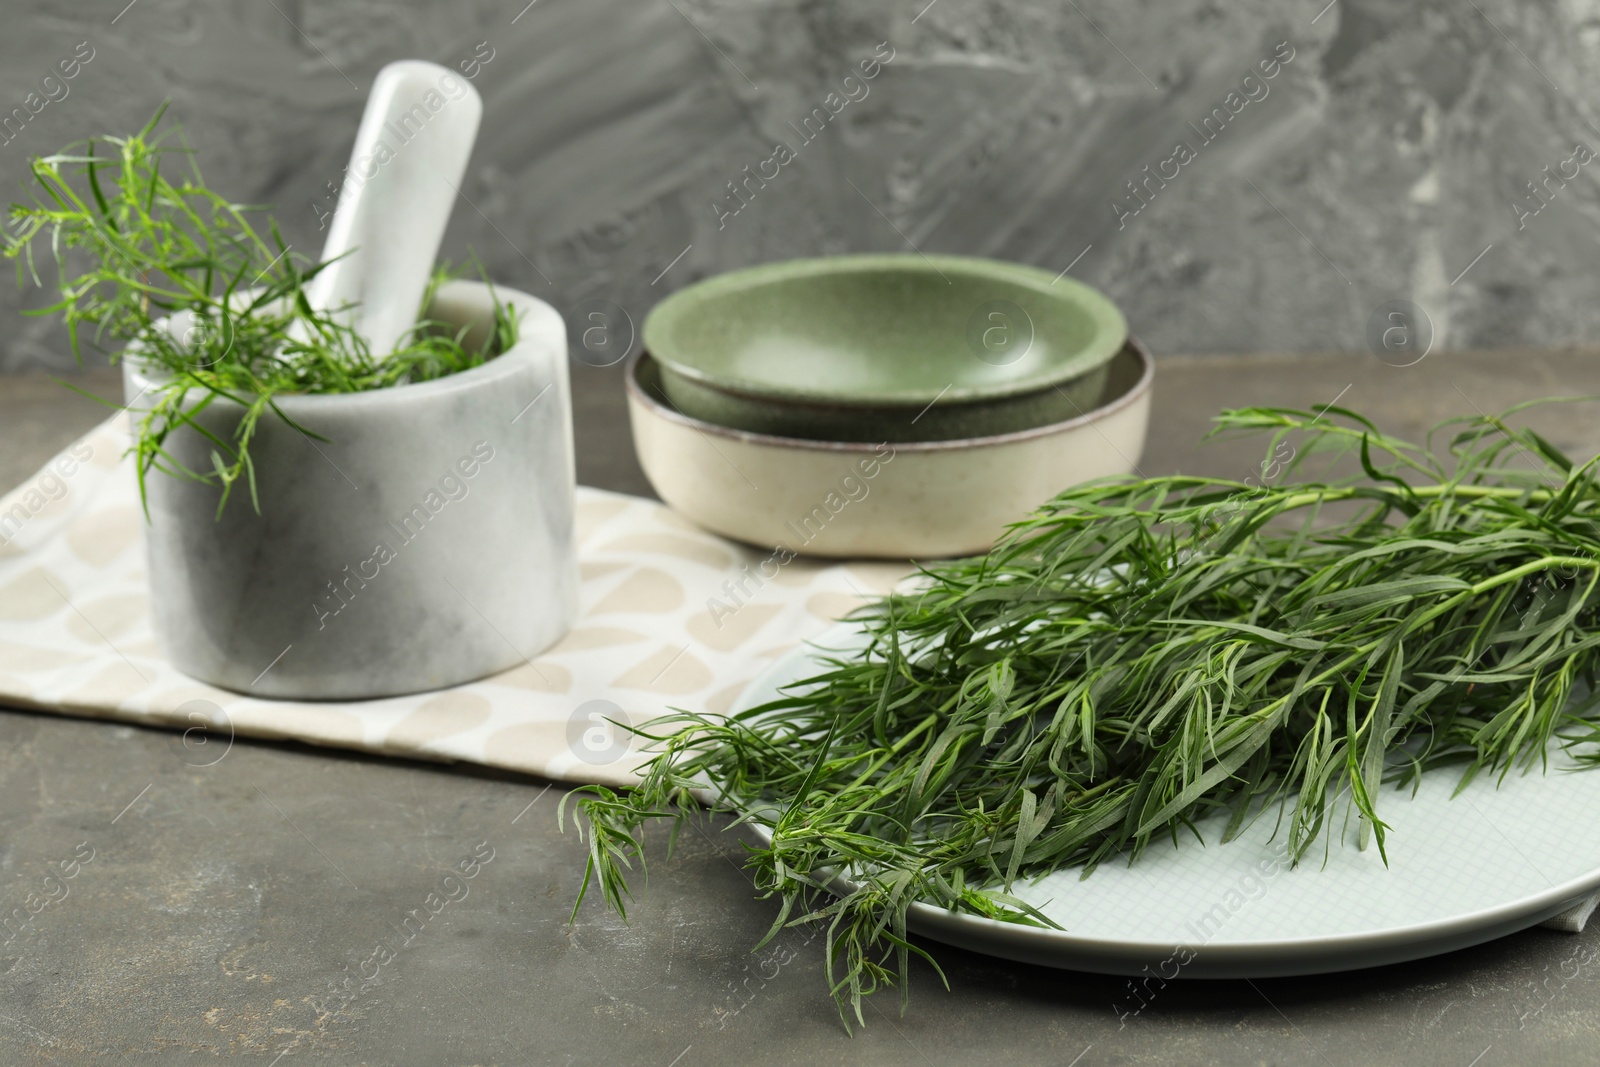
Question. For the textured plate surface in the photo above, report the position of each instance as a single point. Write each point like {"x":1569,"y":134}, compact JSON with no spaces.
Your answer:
{"x":1461,"y":871}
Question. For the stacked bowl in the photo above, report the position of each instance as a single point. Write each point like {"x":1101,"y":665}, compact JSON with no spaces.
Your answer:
{"x":883,"y":406}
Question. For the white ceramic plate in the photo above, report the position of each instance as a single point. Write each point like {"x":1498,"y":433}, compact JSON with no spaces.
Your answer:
{"x":1461,"y":871}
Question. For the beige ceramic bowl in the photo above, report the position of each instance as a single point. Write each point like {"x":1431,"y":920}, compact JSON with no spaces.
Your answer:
{"x":893,"y":501}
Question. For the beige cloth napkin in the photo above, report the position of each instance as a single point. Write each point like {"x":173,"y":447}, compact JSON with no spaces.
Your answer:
{"x":658,"y":628}
{"x":1573,"y":920}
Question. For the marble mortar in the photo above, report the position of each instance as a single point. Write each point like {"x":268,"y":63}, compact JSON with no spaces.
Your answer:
{"x":428,"y":541}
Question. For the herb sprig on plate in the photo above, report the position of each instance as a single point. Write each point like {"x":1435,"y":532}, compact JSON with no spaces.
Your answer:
{"x":1142,"y":654}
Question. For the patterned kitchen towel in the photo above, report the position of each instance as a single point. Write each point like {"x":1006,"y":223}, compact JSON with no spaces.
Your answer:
{"x":1573,"y":920}
{"x":658,"y":628}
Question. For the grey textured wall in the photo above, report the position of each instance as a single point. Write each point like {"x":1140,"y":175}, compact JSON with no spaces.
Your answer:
{"x":1384,"y":157}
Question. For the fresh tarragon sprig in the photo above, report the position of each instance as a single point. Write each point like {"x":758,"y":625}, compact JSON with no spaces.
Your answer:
{"x":136,"y":235}
{"x":1142,"y":654}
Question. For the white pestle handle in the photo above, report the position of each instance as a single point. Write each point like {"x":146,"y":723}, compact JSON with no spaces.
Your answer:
{"x":409,"y":158}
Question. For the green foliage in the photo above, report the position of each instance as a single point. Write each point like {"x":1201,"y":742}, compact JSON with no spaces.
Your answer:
{"x":1142,"y":654}
{"x":132,"y":245}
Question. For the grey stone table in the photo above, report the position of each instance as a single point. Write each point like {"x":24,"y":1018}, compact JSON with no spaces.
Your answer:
{"x":232,"y":891}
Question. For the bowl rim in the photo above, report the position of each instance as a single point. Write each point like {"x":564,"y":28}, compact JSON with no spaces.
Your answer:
{"x":1110,"y":326}
{"x":663,"y":410}
{"x":477,"y":297}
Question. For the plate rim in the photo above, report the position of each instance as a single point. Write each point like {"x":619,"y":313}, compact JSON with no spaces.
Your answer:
{"x":639,"y":364}
{"x":935,"y":921}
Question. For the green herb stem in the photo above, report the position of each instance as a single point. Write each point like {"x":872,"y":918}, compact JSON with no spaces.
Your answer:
{"x":1142,"y":655}
{"x":133,"y":246}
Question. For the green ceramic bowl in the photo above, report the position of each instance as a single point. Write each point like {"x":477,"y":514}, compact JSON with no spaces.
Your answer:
{"x":885,"y":347}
